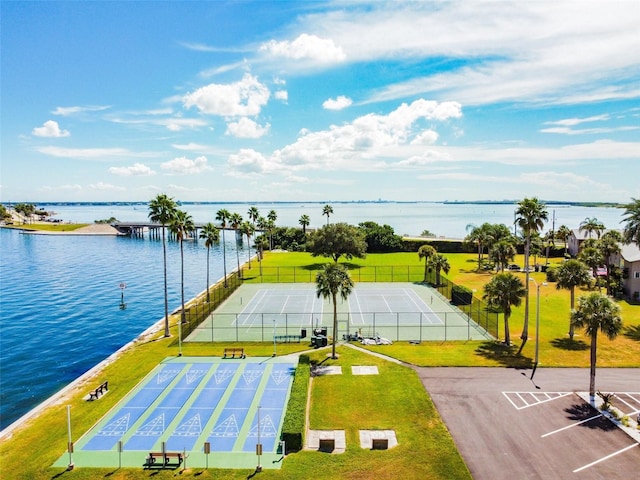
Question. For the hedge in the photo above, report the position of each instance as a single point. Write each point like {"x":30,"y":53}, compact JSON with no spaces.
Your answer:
{"x":294,"y":421}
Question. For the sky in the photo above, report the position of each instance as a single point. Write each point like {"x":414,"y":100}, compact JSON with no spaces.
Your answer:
{"x":246,"y":101}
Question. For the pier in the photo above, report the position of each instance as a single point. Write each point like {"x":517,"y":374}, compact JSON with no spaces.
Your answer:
{"x":154,"y":230}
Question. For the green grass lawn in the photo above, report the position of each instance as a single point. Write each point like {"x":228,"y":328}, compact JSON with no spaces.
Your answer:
{"x":48,"y":227}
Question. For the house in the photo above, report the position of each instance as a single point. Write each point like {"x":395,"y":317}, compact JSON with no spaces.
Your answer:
{"x":575,"y":240}
{"x":629,"y":261}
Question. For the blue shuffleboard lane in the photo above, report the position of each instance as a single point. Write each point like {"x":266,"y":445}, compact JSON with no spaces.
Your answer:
{"x":272,"y":406}
{"x":159,"y":419}
{"x":119,"y":423}
{"x":226,"y":430}
{"x":189,"y":429}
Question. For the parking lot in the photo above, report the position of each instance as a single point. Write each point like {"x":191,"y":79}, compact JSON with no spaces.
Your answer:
{"x":507,"y":426}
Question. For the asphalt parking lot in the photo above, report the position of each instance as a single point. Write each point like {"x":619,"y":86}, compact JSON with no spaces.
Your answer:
{"x":507,"y":426}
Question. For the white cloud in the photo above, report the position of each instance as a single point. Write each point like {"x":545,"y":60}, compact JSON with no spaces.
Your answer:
{"x":105,"y":187}
{"x":570,"y":122}
{"x":338,"y":103}
{"x":306,"y":47}
{"x":91,"y":153}
{"x":50,"y":129}
{"x":136,"y":169}
{"x":185,"y":166}
{"x":246,"y":128}
{"x":586,"y":131}
{"x":247,"y":161}
{"x":66,"y":111}
{"x":282,"y":95}
{"x":428,"y":137}
{"x":243,"y":98}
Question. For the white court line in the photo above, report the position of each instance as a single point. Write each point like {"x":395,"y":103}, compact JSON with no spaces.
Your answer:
{"x":384,"y":298}
{"x":359,"y":310}
{"x":605,"y":458}
{"x":570,"y":426}
{"x":251,"y":313}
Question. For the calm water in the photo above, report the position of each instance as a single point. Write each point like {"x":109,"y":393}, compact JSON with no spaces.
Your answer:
{"x":60,"y":295}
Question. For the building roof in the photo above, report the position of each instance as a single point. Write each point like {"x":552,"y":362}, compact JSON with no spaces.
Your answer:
{"x":630,"y":252}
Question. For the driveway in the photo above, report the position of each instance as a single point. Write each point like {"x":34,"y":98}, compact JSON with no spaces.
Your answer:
{"x":507,"y":427}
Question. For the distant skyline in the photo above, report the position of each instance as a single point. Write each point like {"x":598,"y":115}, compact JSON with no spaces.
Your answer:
{"x":254,"y":101}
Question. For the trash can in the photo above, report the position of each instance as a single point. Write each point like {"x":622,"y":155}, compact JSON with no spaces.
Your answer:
{"x":303,"y":333}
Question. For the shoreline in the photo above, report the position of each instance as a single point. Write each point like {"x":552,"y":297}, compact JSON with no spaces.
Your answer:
{"x":96,"y":229}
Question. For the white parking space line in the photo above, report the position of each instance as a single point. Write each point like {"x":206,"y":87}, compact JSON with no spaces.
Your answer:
{"x":538,"y":398}
{"x":605,"y":458}
{"x":571,"y":426}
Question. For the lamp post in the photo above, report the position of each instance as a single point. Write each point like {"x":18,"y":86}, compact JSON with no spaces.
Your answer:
{"x":536,"y":356}
{"x":274,"y":338}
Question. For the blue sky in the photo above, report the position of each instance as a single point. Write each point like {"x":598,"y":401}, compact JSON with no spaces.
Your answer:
{"x":320,"y":101}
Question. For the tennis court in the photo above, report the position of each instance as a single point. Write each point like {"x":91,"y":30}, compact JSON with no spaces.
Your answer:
{"x":186,"y":402}
{"x":289,"y":312}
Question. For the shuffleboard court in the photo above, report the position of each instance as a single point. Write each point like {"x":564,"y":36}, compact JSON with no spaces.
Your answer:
{"x":188,"y":401}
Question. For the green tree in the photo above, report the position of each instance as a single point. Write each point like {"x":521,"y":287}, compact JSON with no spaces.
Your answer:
{"x":248,"y":229}
{"x":261,"y":244}
{"x":609,"y":245}
{"x":162,"y":209}
{"x":530,"y":217}
{"x":327,"y":210}
{"x":380,"y":238}
{"x":563,"y":234}
{"x":223,"y":215}
{"x":502,"y":292}
{"x":253,"y":213}
{"x":569,"y":275}
{"x":591,"y":225}
{"x":332,"y":281}
{"x":426,"y":252}
{"x":211,"y":236}
{"x":338,"y":239}
{"x":439,"y":263}
{"x":272,"y":216}
{"x":597,"y":312}
{"x":592,"y":258}
{"x":181,"y":226}
{"x":502,"y":253}
{"x":235,"y":221}
{"x":304,"y":221}
{"x":479,"y":236}
{"x":631,"y":218}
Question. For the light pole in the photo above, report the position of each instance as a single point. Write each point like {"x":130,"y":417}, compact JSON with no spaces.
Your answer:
{"x":274,"y":338}
{"x":536,"y":356}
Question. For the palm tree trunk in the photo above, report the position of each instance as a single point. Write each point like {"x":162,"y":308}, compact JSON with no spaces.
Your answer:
{"x":507,"y":335}
{"x":525,"y":327}
{"x":182,"y":316}
{"x":208,"y":252}
{"x":224,"y":258}
{"x":592,"y":372}
{"x":167,"y":333}
{"x":335,"y":326}
{"x":571,"y":327}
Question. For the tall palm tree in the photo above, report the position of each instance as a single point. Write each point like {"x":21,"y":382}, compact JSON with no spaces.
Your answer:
{"x":334,"y":279}
{"x":563,"y":234}
{"x":235,"y":221}
{"x":426,"y":252}
{"x":609,"y":245}
{"x":161,"y":210}
{"x":597,"y":312}
{"x":530,"y":217}
{"x":591,"y":225}
{"x":502,"y":253}
{"x":253,"y":213}
{"x":304,"y":221}
{"x":272,"y":216}
{"x":572,"y":274}
{"x":248,"y":229}
{"x":480,"y":236}
{"x":631,"y":217}
{"x":327,"y":210}
{"x":592,"y":258}
{"x":261,"y":244}
{"x":223,"y":216}
{"x":439,"y":262}
{"x":502,"y":292}
{"x":181,"y":226}
{"x":211,"y":236}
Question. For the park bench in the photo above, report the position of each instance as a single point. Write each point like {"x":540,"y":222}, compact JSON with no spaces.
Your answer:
{"x":94,"y":394}
{"x":288,"y":338}
{"x":233,"y":352}
{"x":163,"y":459}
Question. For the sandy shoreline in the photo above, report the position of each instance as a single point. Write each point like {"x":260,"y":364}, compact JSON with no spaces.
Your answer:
{"x":94,"y":229}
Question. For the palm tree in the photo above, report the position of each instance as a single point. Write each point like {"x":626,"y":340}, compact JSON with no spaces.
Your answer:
{"x":572,"y":274}
{"x":597,"y":312}
{"x":530,"y":217}
{"x":439,"y":262}
{"x":426,"y":252}
{"x":334,"y":279}
{"x":261,"y":244}
{"x":181,"y":226}
{"x":211,"y":236}
{"x":222,"y":216}
{"x":272,"y":216}
{"x":304,"y":221}
{"x":591,"y":225}
{"x":327,"y":210}
{"x":502,"y":253}
{"x":480,"y":236}
{"x":235,"y":221}
{"x":563,"y":234}
{"x":247,"y":228}
{"x":502,"y":292}
{"x":592,"y":258}
{"x":609,"y":245}
{"x":161,"y":210}
{"x":632,"y":222}
{"x":253,"y":214}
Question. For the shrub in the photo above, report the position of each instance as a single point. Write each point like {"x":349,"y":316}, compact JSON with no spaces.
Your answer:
{"x":294,"y":421}
{"x":461,"y":295}
{"x":552,"y":275}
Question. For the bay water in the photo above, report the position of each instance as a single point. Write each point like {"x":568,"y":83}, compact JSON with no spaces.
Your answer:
{"x":60,"y":296}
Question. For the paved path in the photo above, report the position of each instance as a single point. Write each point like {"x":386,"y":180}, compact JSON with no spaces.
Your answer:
{"x":507,"y":427}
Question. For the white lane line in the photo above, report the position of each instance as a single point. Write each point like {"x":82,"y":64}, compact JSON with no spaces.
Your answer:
{"x":523,"y":400}
{"x":571,"y":426}
{"x":632,"y":407}
{"x":510,"y":401}
{"x":605,"y":458}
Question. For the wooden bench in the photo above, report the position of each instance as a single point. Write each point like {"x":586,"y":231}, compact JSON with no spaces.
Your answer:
{"x":94,"y":394}
{"x":233,"y":352}
{"x":163,"y":459}
{"x":288,"y":338}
